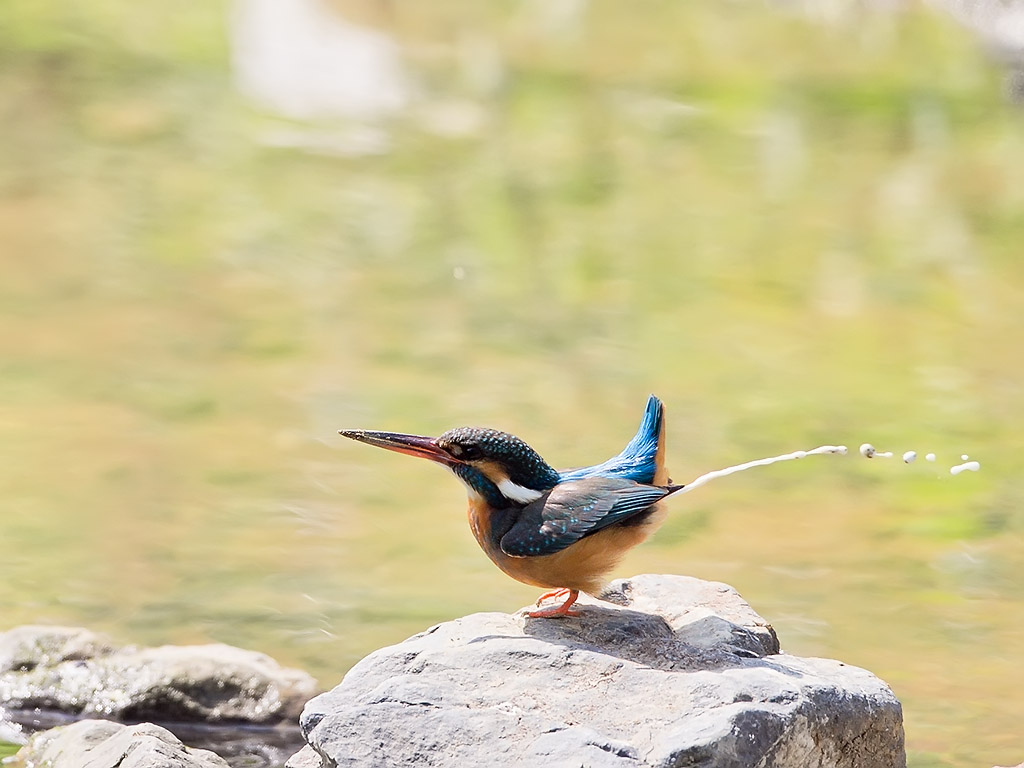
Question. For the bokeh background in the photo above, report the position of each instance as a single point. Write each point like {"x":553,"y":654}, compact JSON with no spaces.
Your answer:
{"x":228,"y":230}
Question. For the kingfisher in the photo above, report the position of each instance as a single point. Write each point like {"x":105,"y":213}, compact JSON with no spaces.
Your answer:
{"x":561,"y":530}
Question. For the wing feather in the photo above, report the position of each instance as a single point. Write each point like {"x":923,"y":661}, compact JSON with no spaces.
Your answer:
{"x":575,"y":509}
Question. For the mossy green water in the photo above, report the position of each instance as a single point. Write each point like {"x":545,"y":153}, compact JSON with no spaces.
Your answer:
{"x":794,"y":231}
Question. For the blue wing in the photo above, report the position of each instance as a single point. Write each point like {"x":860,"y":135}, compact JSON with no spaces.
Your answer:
{"x":575,"y":509}
{"x":640,"y":460}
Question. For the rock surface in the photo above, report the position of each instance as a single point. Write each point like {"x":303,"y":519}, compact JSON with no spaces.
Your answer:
{"x":76,"y":671}
{"x":102,"y":744}
{"x":678,"y":673}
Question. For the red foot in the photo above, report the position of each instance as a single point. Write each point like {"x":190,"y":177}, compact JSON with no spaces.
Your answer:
{"x":561,"y":610}
{"x":563,"y":592}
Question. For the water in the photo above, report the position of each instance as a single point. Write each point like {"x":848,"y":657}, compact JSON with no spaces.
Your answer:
{"x":795,"y":231}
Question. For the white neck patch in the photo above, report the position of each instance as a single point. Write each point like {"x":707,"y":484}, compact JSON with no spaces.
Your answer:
{"x":518,"y":493}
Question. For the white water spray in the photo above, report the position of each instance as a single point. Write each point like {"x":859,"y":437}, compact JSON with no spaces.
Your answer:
{"x":967,"y":466}
{"x":867,"y":450}
{"x":706,"y":478}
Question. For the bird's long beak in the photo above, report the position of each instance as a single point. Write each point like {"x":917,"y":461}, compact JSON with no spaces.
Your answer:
{"x":413,"y":445}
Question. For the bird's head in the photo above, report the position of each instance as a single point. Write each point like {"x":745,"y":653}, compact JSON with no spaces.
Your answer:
{"x":496,"y":465}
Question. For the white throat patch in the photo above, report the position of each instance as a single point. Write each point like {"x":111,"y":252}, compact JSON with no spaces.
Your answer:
{"x":517,"y":493}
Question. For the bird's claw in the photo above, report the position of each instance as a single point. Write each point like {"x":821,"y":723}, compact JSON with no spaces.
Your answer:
{"x":565,"y":609}
{"x":564,"y":591}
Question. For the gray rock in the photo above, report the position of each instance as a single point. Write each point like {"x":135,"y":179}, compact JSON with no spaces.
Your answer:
{"x":75,"y":671}
{"x":10,"y":732}
{"x":27,"y":647}
{"x":677,"y":673}
{"x":102,"y":744}
{"x":304,"y":758}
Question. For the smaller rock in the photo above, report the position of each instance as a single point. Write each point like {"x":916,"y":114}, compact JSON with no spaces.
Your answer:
{"x":10,"y":732}
{"x":103,"y":744}
{"x":77,"y":672}
{"x":304,"y":758}
{"x":25,"y":648}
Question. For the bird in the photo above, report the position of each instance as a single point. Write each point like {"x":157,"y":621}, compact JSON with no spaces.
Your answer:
{"x":561,"y":530}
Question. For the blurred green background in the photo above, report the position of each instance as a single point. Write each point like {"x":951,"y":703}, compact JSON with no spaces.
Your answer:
{"x":795,"y":227}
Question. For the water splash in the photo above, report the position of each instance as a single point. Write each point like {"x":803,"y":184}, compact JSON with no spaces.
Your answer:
{"x":706,"y":478}
{"x":866,"y":450}
{"x":967,"y":466}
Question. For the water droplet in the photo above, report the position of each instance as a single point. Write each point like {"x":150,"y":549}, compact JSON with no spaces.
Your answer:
{"x":969,"y":466}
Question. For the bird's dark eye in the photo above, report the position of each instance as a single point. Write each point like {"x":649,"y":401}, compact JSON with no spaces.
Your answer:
{"x":466,"y":451}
